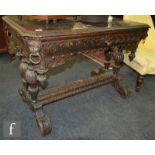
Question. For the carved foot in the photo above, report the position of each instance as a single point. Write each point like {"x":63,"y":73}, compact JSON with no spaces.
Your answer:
{"x":121,"y":88}
{"x":44,"y":125}
{"x":43,"y":122}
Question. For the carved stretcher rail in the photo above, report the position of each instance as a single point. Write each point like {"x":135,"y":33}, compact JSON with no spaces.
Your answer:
{"x":49,"y":96}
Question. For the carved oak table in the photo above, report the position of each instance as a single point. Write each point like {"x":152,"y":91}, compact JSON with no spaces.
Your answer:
{"x":41,"y":47}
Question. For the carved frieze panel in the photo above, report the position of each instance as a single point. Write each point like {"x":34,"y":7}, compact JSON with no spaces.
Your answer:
{"x":50,"y":53}
{"x":60,"y":51}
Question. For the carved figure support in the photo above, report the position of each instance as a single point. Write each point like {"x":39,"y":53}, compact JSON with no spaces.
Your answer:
{"x":33,"y":80}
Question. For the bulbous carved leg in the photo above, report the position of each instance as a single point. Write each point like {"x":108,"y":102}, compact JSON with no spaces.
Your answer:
{"x":24,"y":89}
{"x":42,"y":78}
{"x":139,"y":82}
{"x":34,"y":79}
{"x":43,"y":122}
{"x":117,"y":82}
{"x":31,"y":79}
{"x":118,"y":59}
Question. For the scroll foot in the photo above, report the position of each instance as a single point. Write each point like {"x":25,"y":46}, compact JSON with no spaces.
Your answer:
{"x":121,"y":88}
{"x":43,"y":122}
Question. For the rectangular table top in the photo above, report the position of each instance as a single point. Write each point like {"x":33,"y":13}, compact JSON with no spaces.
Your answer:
{"x":35,"y":28}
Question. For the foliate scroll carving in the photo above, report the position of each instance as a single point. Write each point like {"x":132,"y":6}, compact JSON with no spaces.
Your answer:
{"x":75,"y":45}
{"x":59,"y":51}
